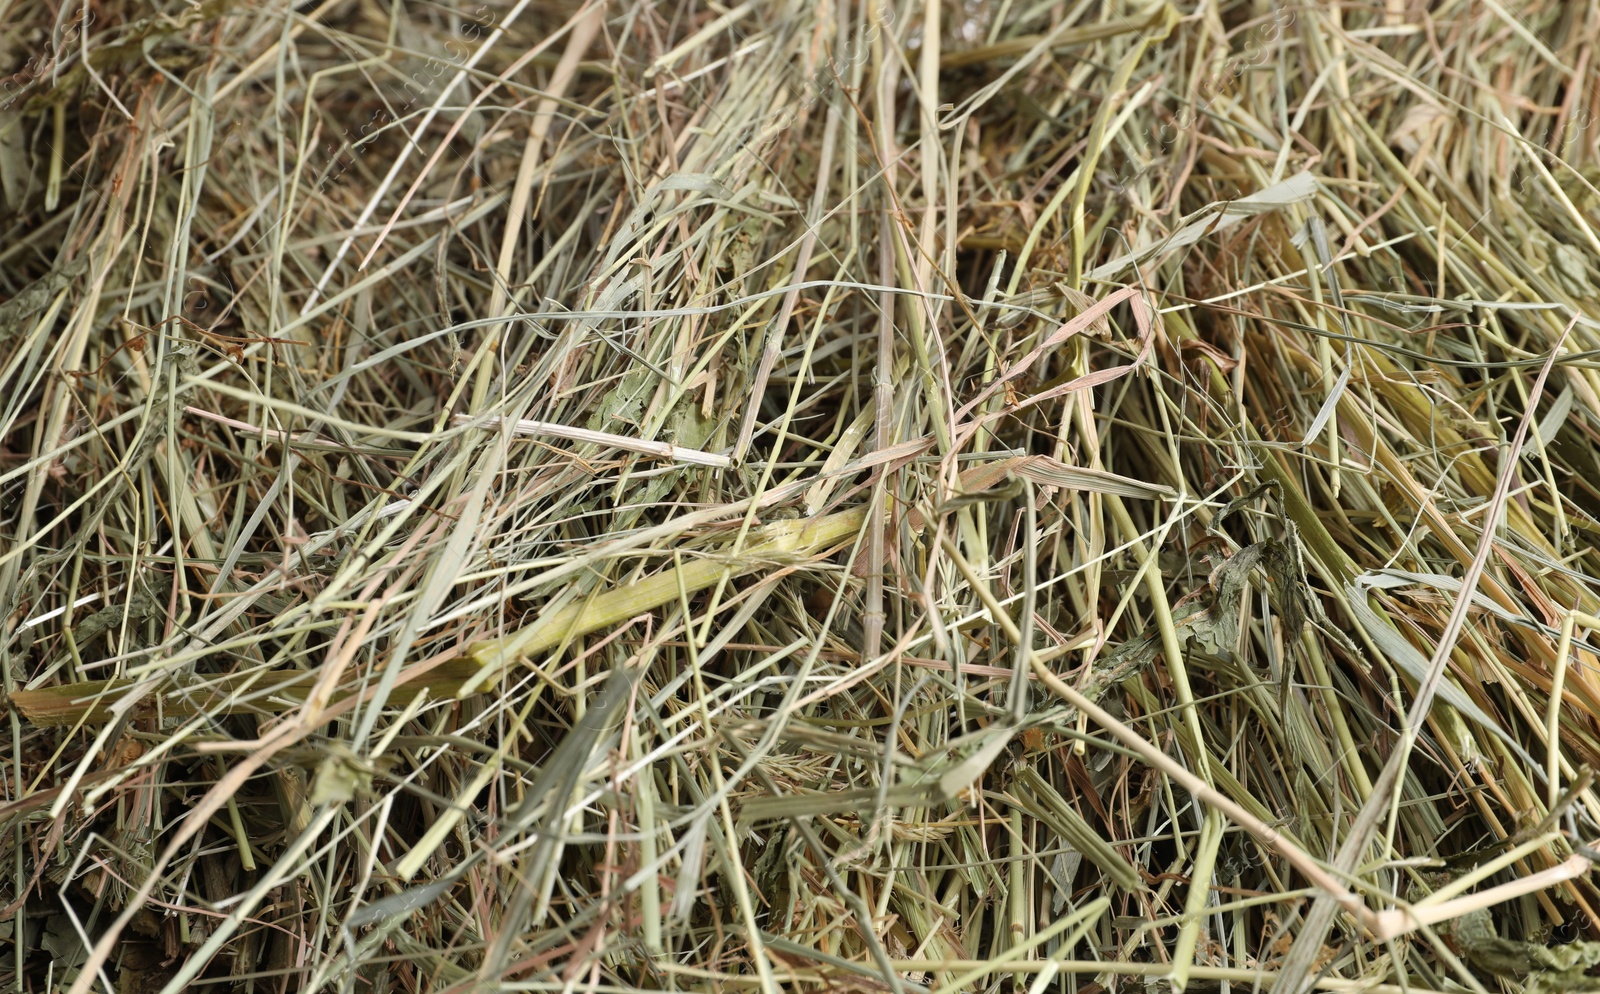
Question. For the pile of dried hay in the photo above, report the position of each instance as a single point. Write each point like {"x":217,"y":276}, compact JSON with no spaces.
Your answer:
{"x":865,"y":495}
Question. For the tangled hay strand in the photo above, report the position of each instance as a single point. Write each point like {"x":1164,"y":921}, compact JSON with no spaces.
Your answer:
{"x":880,"y":495}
